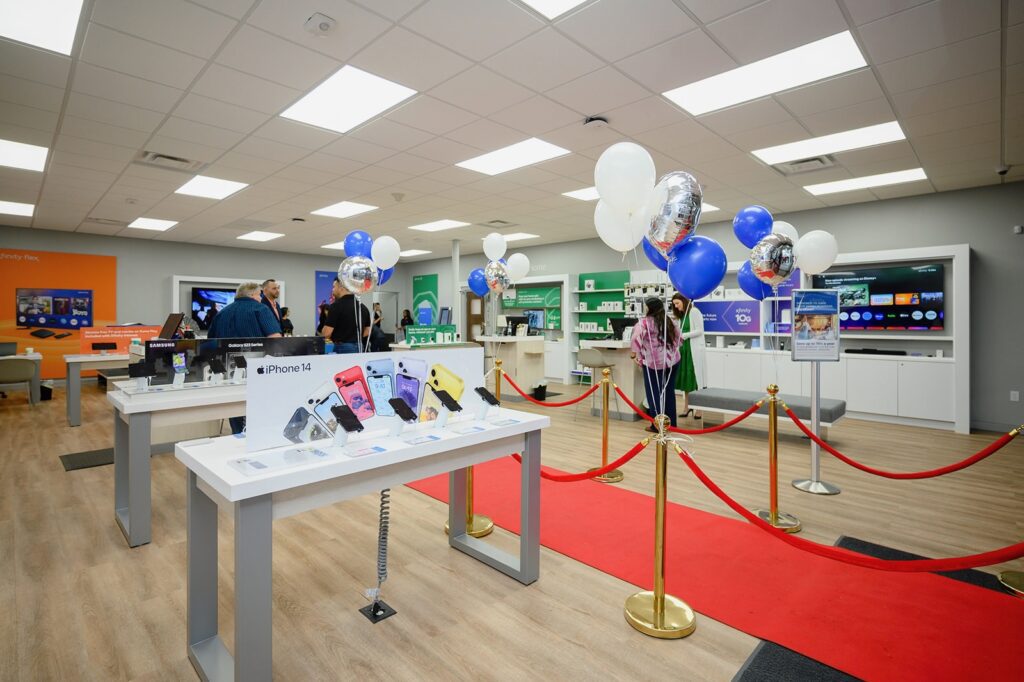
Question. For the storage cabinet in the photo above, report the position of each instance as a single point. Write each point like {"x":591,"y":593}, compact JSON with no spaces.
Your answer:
{"x":872,"y":386}
{"x":926,"y":390}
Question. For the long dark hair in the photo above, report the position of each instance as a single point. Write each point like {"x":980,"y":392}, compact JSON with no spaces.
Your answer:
{"x":680,"y":314}
{"x":666,"y":331}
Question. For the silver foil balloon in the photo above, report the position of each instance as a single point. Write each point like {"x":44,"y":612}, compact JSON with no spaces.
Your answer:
{"x":496,"y":274}
{"x":677,"y":216}
{"x":358,"y":274}
{"x":771,"y":259}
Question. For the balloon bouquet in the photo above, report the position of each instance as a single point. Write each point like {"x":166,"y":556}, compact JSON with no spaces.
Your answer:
{"x":499,"y":274}
{"x":368,"y":263}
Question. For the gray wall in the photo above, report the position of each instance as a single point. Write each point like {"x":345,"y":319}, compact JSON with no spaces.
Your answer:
{"x":982,"y":217}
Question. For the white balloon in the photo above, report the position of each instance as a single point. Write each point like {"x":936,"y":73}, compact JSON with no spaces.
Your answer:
{"x":518,"y":266}
{"x":494,"y":246}
{"x":785,"y":229}
{"x":624,"y":176}
{"x":385,"y":252}
{"x":816,"y":252}
{"x":613,"y":228}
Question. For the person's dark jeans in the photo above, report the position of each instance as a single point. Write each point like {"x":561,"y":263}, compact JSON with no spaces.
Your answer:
{"x":657,"y":381}
{"x":237,"y":424}
{"x":346,"y":348}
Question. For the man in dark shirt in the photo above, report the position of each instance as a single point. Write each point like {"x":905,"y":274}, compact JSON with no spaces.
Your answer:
{"x":343,"y":329}
{"x":270,"y":291}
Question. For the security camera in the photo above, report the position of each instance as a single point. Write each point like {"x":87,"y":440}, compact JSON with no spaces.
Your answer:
{"x":1002,"y":169}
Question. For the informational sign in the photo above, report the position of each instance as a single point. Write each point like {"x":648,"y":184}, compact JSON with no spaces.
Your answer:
{"x":741,"y":316}
{"x":532,"y":297}
{"x":121,"y":336}
{"x":815,"y":325}
{"x":417,"y":334}
{"x":424,"y":298}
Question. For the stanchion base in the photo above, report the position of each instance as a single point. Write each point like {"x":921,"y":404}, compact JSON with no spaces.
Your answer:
{"x":481,"y":526}
{"x":816,"y":487}
{"x":613,"y":476}
{"x":1013,"y":581}
{"x":679,"y":620}
{"x":785,"y":522}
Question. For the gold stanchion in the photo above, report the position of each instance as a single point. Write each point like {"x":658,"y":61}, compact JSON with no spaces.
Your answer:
{"x":655,"y":613}
{"x":478,"y":525}
{"x":613,"y":476}
{"x":772,"y":515}
{"x":1013,"y":581}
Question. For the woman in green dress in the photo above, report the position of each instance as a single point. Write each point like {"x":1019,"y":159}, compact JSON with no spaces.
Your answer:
{"x":690,"y":376}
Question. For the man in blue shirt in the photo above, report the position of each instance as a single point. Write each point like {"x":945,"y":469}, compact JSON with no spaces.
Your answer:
{"x":270,"y":293}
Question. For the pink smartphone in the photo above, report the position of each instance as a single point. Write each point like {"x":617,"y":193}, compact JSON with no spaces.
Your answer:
{"x":352,"y":386}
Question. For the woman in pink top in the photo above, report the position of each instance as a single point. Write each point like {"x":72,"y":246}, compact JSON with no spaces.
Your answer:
{"x":655,"y":345}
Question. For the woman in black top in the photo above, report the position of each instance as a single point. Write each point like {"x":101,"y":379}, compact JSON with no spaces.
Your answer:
{"x":287,"y":328}
{"x":405,"y":321}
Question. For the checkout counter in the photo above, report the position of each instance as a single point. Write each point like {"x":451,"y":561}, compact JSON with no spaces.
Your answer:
{"x":625,"y":373}
{"x":522,"y":357}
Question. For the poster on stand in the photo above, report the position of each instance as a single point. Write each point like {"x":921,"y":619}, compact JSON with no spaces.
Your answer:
{"x":815,"y":325}
{"x":289,"y":399}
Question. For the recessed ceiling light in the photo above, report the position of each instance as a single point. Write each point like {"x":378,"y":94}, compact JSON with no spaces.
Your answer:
{"x":806,"y":64}
{"x":867,"y":181}
{"x":413,"y":252}
{"x":438,"y":225}
{"x":553,"y":8}
{"x":49,"y":24}
{"x":337,"y":246}
{"x":210,"y":188}
{"x":705,"y":207}
{"x":21,"y":155}
{"x":585,"y":194}
{"x":346,"y":99}
{"x":15,"y":208}
{"x":859,"y":138}
{"x":258,"y":236}
{"x":520,"y":236}
{"x":344,"y":209}
{"x":514,"y":156}
{"x":152,"y":224}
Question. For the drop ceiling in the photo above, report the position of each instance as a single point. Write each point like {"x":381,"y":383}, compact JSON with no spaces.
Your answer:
{"x":207,"y":80}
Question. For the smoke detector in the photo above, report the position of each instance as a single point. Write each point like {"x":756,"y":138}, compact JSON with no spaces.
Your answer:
{"x":595,"y":122}
{"x":320,"y":24}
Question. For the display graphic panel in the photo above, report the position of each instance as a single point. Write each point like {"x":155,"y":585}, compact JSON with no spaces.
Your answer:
{"x":424,"y":298}
{"x":54,"y":308}
{"x":742,"y":316}
{"x":323,"y":286}
{"x":899,"y":298}
{"x":288,"y":400}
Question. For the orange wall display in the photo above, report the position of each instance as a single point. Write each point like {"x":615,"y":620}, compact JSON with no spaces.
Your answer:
{"x":35,"y":274}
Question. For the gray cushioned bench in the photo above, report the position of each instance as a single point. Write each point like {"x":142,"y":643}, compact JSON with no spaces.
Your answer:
{"x":731,"y":401}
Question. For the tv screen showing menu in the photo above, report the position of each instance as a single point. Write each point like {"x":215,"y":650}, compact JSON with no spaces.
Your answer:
{"x":207,"y":302}
{"x":54,"y":308}
{"x":905,"y":298}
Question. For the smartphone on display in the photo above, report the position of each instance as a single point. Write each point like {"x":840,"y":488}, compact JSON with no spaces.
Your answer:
{"x":344,"y":415}
{"x":380,"y":379}
{"x":447,"y":400}
{"x":410,"y":381}
{"x":352,"y":387}
{"x":178,"y":361}
{"x":324,"y":410}
{"x":240,"y":362}
{"x":441,"y":379}
{"x":403,"y":410}
{"x":487,"y":396}
{"x":216,"y":365}
{"x":303,"y":427}
{"x":138,"y":370}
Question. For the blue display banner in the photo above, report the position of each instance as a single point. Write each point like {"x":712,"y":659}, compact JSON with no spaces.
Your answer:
{"x":790,"y":283}
{"x":816,"y":325}
{"x":322,"y":289}
{"x":742,"y":316}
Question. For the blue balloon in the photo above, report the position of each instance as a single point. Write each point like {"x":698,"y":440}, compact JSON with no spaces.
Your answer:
{"x":478,"y":282}
{"x":358,"y":243}
{"x":752,"y":224}
{"x":654,"y":255}
{"x":751,"y":285}
{"x":697,"y":267}
{"x":384,"y":275}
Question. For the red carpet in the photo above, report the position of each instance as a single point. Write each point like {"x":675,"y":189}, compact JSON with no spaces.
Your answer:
{"x":871,"y":624}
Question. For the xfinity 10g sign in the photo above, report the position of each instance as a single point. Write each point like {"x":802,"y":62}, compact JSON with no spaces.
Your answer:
{"x":743,"y":316}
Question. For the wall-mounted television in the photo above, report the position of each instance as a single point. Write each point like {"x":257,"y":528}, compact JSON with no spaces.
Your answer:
{"x":207,"y":302}
{"x":904,"y":298}
{"x":54,"y":308}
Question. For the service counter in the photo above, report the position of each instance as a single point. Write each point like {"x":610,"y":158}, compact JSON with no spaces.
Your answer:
{"x":522,"y":358}
{"x":625,"y":373}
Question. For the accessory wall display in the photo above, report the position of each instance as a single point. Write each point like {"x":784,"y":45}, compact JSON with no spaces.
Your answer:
{"x":289,"y":400}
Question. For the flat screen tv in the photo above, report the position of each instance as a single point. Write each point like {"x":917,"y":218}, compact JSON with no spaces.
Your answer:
{"x":905,"y":298}
{"x":207,"y":302}
{"x":54,"y":308}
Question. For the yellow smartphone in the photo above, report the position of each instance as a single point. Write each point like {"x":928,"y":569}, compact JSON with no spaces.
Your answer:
{"x":442,"y":379}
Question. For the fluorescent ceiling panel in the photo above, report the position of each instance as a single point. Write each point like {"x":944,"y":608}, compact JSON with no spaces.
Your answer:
{"x":152,"y":224}
{"x":867,"y":181}
{"x":413,"y":252}
{"x":346,"y":99}
{"x":210,"y":188}
{"x":21,"y":155}
{"x":705,"y":207}
{"x":49,"y":24}
{"x":519,"y":236}
{"x":514,"y":156}
{"x":553,"y":8}
{"x":859,"y":138}
{"x":585,"y":194}
{"x":438,"y":225}
{"x":802,"y":65}
{"x":344,"y":209}
{"x":258,"y":236}
{"x":15,"y":208}
{"x":337,"y":246}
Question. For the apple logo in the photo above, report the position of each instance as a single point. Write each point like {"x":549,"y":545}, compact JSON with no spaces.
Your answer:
{"x":259,"y":370}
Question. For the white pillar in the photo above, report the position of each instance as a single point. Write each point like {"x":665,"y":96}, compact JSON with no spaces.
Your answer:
{"x":456,"y":287}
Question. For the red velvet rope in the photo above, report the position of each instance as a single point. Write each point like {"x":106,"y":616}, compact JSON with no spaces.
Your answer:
{"x":543,"y":403}
{"x":904,"y":566}
{"x":693,"y":432}
{"x":931,"y":473}
{"x":571,"y":478}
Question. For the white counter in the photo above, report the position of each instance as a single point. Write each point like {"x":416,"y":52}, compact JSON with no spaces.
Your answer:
{"x":522,"y":358}
{"x":625,"y":373}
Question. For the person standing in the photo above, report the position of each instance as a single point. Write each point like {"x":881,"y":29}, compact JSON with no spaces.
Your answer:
{"x":405,"y":321}
{"x":348,"y":322}
{"x":691,"y":373}
{"x":287,"y":328}
{"x":655,"y":345}
{"x":270,"y":292}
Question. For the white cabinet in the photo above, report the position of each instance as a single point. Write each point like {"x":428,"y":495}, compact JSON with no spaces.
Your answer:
{"x":556,"y":360}
{"x":926,"y":390}
{"x":833,"y":380}
{"x":779,"y":368}
{"x":742,"y":370}
{"x":872,"y":386}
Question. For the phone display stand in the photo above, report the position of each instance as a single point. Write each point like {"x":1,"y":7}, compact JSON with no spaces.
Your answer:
{"x":211,"y":377}
{"x":397,"y":424}
{"x":340,"y":437}
{"x":179,"y":379}
{"x":141,"y":383}
{"x":482,"y":409}
{"x":238,"y":374}
{"x":442,"y":417}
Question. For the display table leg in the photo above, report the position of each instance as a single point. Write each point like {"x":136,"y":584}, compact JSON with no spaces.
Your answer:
{"x":253,"y":588}
{"x":132,"y":494}
{"x":73,"y":397}
{"x":206,"y":651}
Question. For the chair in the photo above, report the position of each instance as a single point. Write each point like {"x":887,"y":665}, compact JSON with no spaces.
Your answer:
{"x":594,"y":360}
{"x":16,"y":371}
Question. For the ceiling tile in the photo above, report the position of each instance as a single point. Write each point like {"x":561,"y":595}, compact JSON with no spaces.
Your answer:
{"x":864,"y":11}
{"x":268,"y":149}
{"x":290,"y":132}
{"x":93,"y":80}
{"x":392,"y":9}
{"x":83,"y":147}
{"x":535,"y":116}
{"x":356,"y":27}
{"x":261,"y":54}
{"x":485,"y":134}
{"x":975,"y":88}
{"x":410,"y":60}
{"x":28,"y":117}
{"x":221,"y":114}
{"x":659,"y":67}
{"x":409,"y":164}
{"x":329,"y":165}
{"x":30,"y":93}
{"x":137,"y":57}
{"x":430,"y":114}
{"x":101,"y":132}
{"x":173,"y":23}
{"x":927,"y":26}
{"x":775,"y":26}
{"x":855,"y":116}
{"x":233,"y":8}
{"x":598,"y":92}
{"x":446,"y":151}
{"x":745,"y":116}
{"x":544,"y":60}
{"x":235,"y":87}
{"x":709,"y":10}
{"x":388,"y":133}
{"x":184,"y":148}
{"x":617,"y":28}
{"x":90,"y":161}
{"x":482,"y":28}
{"x":358,"y":150}
{"x":951,"y":119}
{"x":480,"y":91}
{"x":770,"y":135}
{"x":685,"y":131}
{"x":842,"y":91}
{"x":113,"y":113}
{"x":191,"y":131}
{"x":967,"y":57}
{"x":42,"y":66}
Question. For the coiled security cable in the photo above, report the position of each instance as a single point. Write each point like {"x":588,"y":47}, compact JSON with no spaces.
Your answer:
{"x":382,"y":544}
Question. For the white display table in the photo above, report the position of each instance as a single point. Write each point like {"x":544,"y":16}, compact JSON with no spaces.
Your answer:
{"x":271,"y":484}
{"x":33,"y":386}
{"x":522,"y":358}
{"x":625,"y":373}
{"x":74,"y":366}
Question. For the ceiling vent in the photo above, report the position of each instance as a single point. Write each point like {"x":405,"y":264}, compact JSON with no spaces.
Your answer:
{"x":168,"y":162}
{"x":805,"y":165}
{"x":498,"y":224}
{"x":107,"y":221}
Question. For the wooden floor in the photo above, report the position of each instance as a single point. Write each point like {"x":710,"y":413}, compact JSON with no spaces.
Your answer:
{"x":77,"y":604}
